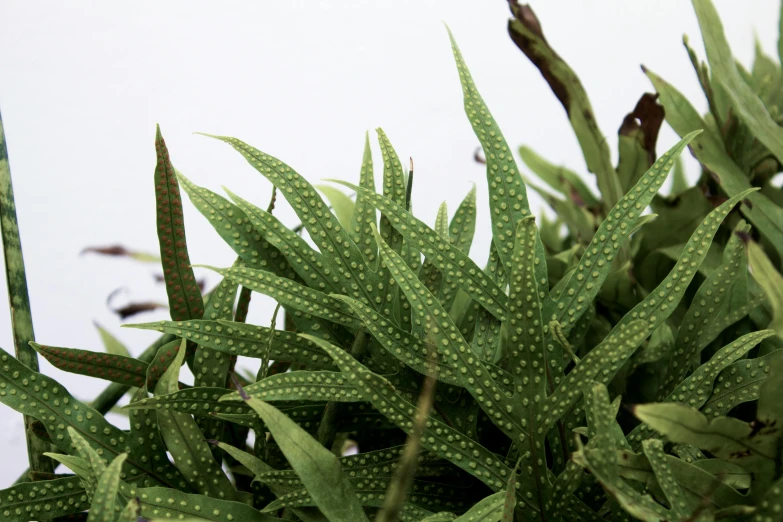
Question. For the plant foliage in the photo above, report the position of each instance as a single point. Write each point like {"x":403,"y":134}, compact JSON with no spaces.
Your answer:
{"x":606,"y":364}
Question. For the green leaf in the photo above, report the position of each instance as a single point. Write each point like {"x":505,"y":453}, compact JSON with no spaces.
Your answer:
{"x":18,"y":298}
{"x":695,"y":390}
{"x":600,"y":460}
{"x":745,"y":103}
{"x":316,"y":466}
{"x":185,"y":301}
{"x":725,"y":437}
{"x":314,"y":269}
{"x":115,"y":368}
{"x":245,"y":339}
{"x":661,"y":302}
{"x":162,"y":360}
{"x":721,"y":293}
{"x":454,"y":264}
{"x":235,"y":228}
{"x":563,"y":180}
{"x":112,"y":344}
{"x":770,"y":281}
{"x":596,"y":262}
{"x":130,"y":512}
{"x":210,"y":367}
{"x":50,"y":498}
{"x":406,"y":347}
{"x":507,"y":193}
{"x":709,"y":149}
{"x":185,"y":441}
{"x":525,"y":32}
{"x":600,"y":364}
{"x":370,"y":492}
{"x":364,"y":213}
{"x":490,"y":509}
{"x":341,"y":204}
{"x":699,"y":486}
{"x":438,"y":437}
{"x":302,"y":385}
{"x":739,"y":382}
{"x":290,"y":294}
{"x":102,"y":507}
{"x":770,"y":509}
{"x":326,"y":232}
{"x":675,"y":496}
{"x":171,"y":504}
{"x":201,"y":402}
{"x":43,"y":398}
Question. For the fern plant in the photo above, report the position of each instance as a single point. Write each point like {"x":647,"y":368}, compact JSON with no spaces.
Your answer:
{"x":473,"y":393}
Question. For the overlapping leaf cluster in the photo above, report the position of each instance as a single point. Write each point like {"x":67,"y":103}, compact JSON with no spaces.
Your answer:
{"x":473,"y":391}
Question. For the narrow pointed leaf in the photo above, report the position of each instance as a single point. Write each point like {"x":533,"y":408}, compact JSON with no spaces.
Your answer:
{"x":697,"y":388}
{"x":185,"y":441}
{"x":717,"y":297}
{"x":51,"y":498}
{"x":102,"y":507}
{"x":245,"y":339}
{"x":507,"y":193}
{"x":452,"y":262}
{"x":596,"y":263}
{"x":316,"y":466}
{"x":43,"y":398}
{"x":302,"y":385}
{"x":291,"y":294}
{"x":364,"y":213}
{"x":740,"y":382}
{"x":488,"y":510}
{"x":709,"y":149}
{"x":438,"y":437}
{"x":115,"y":368}
{"x":111,"y":343}
{"x":559,"y":178}
{"x":327,"y":233}
{"x":770,"y":281}
{"x":165,"y":503}
{"x":745,"y":103}
{"x":341,"y":204}
{"x":314,"y":269}
{"x":185,"y":301}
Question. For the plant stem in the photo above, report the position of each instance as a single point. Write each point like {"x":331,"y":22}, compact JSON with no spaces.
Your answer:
{"x":19,"y":299}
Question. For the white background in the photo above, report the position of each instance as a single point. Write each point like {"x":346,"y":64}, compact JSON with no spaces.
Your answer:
{"x":82,"y":85}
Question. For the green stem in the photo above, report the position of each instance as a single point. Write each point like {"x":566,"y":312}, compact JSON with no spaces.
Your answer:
{"x":19,"y":300}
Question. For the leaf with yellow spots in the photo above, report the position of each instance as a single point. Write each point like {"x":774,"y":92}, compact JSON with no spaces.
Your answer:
{"x":454,"y":264}
{"x":51,"y":498}
{"x":317,"y":467}
{"x":324,"y":228}
{"x":103,"y":506}
{"x":291,"y":294}
{"x":42,"y":398}
{"x":185,"y":441}
{"x":697,"y":387}
{"x":508,"y":202}
{"x":248,"y":340}
{"x":315,"y":269}
{"x":596,"y":262}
